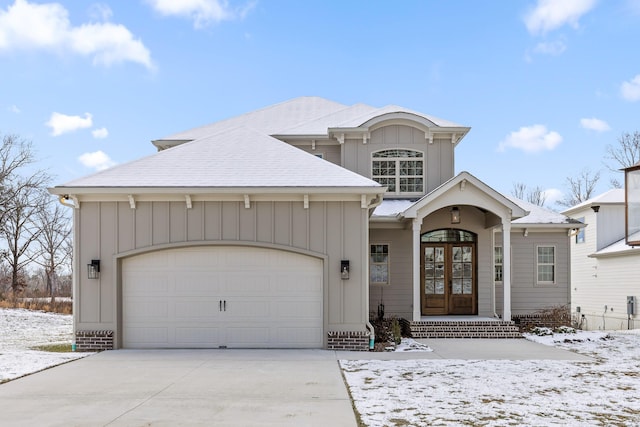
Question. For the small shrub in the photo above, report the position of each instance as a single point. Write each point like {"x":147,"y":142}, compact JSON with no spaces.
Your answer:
{"x":541,"y":331}
{"x":396,"y":331}
{"x":565,"y":330}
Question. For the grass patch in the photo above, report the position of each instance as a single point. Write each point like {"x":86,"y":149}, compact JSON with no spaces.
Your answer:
{"x":54,"y":348}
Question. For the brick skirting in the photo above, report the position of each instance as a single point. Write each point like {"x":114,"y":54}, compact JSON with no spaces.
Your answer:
{"x":352,"y":341}
{"x":94,"y":340}
{"x":526,"y":322}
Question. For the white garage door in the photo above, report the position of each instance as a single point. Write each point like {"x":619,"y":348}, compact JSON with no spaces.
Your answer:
{"x":211,"y":297}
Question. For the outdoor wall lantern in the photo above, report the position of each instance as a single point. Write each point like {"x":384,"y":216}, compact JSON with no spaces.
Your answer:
{"x":93,"y":269}
{"x":455,"y":215}
{"x":344,"y":269}
{"x":632,"y":204}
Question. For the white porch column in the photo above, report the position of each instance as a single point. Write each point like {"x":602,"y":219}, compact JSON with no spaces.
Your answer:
{"x":506,"y":267}
{"x":417,"y":223}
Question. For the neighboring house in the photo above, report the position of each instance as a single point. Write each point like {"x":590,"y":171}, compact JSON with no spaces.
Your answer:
{"x":604,"y":269}
{"x":289,"y":225}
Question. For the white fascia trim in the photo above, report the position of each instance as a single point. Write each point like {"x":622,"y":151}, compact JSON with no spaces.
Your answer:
{"x":216,"y":190}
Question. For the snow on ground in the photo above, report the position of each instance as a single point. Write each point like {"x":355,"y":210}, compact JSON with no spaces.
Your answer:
{"x":21,"y":330}
{"x":505,"y":393}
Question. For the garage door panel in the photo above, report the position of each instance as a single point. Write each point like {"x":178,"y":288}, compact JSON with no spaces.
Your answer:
{"x":193,"y":337}
{"x":197,"y":283}
{"x":142,"y":309}
{"x":175,"y":299}
{"x":247,"y":283}
{"x":202,"y":309}
{"x":145,"y":283}
{"x":147,"y":336}
{"x":297,"y":309}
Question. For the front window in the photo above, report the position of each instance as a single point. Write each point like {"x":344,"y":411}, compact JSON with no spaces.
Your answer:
{"x":497,"y":264}
{"x":546,"y":264}
{"x":402,"y":171}
{"x":379,"y":264}
{"x":580,"y":233}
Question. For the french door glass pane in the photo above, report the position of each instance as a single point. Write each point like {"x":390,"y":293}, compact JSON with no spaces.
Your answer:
{"x":456,"y":286}
{"x":439,"y":287}
{"x":467,"y":288}
{"x":429,"y":287}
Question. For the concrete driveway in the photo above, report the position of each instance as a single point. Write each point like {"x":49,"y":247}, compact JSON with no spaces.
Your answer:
{"x":218,"y":387}
{"x":183,"y":387}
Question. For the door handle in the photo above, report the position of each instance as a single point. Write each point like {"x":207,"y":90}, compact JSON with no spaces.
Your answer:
{"x":225,"y":305}
{"x":220,"y":305}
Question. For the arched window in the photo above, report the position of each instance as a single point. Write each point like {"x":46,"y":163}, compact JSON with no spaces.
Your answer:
{"x":448,"y":235}
{"x":402,"y":171}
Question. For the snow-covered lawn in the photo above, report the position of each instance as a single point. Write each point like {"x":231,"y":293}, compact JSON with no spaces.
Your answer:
{"x":21,"y":330}
{"x":505,"y":393}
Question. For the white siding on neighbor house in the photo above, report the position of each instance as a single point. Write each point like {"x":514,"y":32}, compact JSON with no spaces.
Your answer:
{"x":610,"y":225}
{"x":603,"y":281}
{"x":527,"y":295}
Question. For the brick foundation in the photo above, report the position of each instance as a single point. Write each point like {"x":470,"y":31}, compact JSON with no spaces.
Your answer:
{"x":352,"y":341}
{"x":94,"y":340}
{"x":526,"y":322}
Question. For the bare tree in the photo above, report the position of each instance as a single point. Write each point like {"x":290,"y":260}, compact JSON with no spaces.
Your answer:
{"x":535,"y":196}
{"x":20,"y":230}
{"x":15,"y":153}
{"x":518,"y":190}
{"x":53,"y":241}
{"x":580,"y":188}
{"x":626,"y":153}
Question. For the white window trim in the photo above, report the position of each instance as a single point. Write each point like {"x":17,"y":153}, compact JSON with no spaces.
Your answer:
{"x":388,"y":282}
{"x":581,"y":232}
{"x":494,"y":263}
{"x":397,"y":175}
{"x":555,"y":266}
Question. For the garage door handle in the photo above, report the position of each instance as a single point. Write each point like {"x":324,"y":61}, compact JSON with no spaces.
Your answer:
{"x":225,"y":305}
{"x":220,"y":305}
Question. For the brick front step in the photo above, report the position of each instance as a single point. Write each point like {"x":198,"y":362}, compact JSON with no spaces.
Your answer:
{"x":464,"y":329}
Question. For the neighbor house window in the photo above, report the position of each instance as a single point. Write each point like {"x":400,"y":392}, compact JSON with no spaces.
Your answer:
{"x":401,"y":171}
{"x":546,"y":264}
{"x":497,"y":264}
{"x":580,"y":234}
{"x":379,"y":264}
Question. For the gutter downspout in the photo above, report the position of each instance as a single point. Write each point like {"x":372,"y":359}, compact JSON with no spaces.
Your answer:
{"x":372,"y":332}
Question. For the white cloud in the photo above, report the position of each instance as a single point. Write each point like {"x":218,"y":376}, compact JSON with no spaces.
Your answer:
{"x":554,"y":48}
{"x":552,"y":196}
{"x":595,"y":124}
{"x":100,"y":133}
{"x":14,"y":109}
{"x":531,"y":139}
{"x":97,"y":160}
{"x":202,"y":12}
{"x":549,"y":15}
{"x":61,"y":123}
{"x":25,"y":25}
{"x":631,"y":90}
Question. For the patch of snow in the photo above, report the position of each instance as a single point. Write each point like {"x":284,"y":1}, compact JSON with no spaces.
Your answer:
{"x":503,"y":392}
{"x":409,"y":344}
{"x":21,"y":330}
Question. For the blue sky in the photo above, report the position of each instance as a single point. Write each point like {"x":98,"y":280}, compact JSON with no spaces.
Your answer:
{"x":544,"y":85}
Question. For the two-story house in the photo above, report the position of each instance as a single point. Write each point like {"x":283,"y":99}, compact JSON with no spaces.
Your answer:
{"x":604,"y":269}
{"x":288,"y":226}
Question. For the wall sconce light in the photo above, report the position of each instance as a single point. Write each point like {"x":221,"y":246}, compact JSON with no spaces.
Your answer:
{"x":455,"y":215}
{"x":344,"y":269}
{"x":93,"y":269}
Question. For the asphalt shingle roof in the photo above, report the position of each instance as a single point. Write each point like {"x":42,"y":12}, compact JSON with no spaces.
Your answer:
{"x":239,"y":157}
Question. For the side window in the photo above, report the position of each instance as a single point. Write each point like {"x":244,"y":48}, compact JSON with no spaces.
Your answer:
{"x":580,"y":234}
{"x":497,"y":263}
{"x":379,"y":264}
{"x":401,"y":171}
{"x":546,"y":265}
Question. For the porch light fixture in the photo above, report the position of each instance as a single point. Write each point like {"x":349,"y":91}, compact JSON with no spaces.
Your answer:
{"x":344,"y":269}
{"x":93,"y":269}
{"x":632,"y":204}
{"x":455,"y":215}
